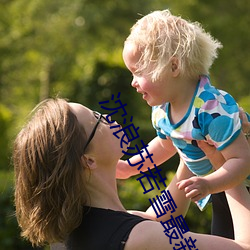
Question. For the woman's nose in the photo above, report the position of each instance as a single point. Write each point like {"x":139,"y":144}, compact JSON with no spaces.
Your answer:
{"x":108,"y":118}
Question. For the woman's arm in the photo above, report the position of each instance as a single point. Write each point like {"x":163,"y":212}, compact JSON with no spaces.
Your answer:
{"x":150,"y":234}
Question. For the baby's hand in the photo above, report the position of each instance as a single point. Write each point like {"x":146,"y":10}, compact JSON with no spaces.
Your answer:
{"x":194,"y":187}
{"x":124,"y":170}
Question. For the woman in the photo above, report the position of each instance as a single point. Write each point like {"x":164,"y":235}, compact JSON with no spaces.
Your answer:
{"x":65,"y":187}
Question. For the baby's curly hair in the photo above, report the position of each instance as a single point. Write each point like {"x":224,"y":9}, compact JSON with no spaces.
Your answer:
{"x":160,"y":36}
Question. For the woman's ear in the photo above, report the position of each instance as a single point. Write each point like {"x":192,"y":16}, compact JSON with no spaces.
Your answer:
{"x":90,"y":161}
{"x":175,"y":66}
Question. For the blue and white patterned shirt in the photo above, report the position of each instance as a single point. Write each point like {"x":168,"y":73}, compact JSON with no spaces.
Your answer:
{"x":213,"y":115}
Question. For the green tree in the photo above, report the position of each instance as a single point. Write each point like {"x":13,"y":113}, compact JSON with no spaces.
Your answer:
{"x":73,"y":48}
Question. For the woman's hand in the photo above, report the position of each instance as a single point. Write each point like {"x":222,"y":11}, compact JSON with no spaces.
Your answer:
{"x":245,"y":124}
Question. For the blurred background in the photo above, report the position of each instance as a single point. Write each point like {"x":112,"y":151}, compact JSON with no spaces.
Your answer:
{"x":72,"y":48}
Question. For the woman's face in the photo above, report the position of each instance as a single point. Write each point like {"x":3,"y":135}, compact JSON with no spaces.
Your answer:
{"x":103,"y":143}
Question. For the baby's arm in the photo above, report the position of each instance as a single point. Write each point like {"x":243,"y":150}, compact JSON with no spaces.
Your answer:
{"x":234,"y":171}
{"x":162,"y":150}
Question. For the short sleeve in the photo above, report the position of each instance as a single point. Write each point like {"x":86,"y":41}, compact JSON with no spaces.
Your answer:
{"x":219,"y":120}
{"x":159,"y":121}
{"x":162,"y":136}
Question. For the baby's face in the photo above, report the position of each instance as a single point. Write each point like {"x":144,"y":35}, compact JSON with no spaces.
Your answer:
{"x":152,"y":92}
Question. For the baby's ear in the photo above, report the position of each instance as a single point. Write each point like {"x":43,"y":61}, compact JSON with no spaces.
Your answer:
{"x":175,"y":66}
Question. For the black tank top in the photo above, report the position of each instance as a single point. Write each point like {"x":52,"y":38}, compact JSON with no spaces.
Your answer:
{"x":102,"y":229}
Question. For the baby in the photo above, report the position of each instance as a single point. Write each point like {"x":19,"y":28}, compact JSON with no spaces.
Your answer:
{"x":170,"y":59}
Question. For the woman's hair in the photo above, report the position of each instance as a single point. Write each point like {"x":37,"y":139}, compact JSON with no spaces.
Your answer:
{"x":49,"y":180}
{"x":160,"y":36}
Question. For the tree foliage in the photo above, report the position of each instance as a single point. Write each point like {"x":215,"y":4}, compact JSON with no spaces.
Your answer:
{"x":72,"y":48}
